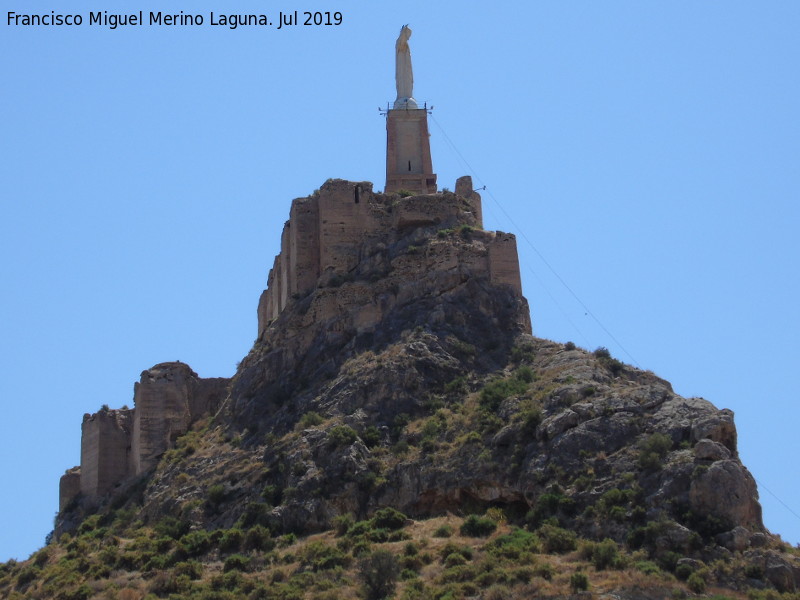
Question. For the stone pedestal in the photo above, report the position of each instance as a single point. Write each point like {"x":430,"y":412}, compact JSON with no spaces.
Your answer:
{"x":408,"y":152}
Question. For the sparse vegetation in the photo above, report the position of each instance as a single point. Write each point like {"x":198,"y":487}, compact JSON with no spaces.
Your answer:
{"x":310,"y":419}
{"x":579,"y":581}
{"x":652,"y":451}
{"x":475,"y":526}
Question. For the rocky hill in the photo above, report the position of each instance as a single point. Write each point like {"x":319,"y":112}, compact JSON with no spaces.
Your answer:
{"x":396,"y":431}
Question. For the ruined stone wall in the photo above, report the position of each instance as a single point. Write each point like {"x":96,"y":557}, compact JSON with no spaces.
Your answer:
{"x":465,"y":190}
{"x":207,"y":396}
{"x":329,"y":232}
{"x":69,"y":486}
{"x":304,"y":249}
{"x":117,"y":445}
{"x":105,"y":451}
{"x":504,"y":262}
{"x":162,"y":412}
{"x":323,"y":234}
{"x":345,"y":218}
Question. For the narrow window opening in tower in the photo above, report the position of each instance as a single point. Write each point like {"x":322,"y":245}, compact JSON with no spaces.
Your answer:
{"x":409,"y":165}
{"x":356,"y":194}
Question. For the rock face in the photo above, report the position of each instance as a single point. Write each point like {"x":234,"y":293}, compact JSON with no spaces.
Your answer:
{"x":395,"y":366}
{"x":383,"y":265}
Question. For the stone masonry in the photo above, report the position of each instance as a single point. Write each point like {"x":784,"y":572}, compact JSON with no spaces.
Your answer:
{"x":118,"y":445}
{"x":328,"y":233}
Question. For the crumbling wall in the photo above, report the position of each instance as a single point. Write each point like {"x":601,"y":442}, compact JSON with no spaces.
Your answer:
{"x":117,"y":445}
{"x":105,"y":451}
{"x":207,"y":396}
{"x":304,"y":245}
{"x":465,"y":190}
{"x":162,"y":412}
{"x":504,"y":261}
{"x":69,"y":486}
{"x":328,"y":232}
{"x":345,"y":217}
{"x":324,"y":234}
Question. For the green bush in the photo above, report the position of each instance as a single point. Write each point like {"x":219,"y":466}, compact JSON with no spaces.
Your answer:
{"x":556,"y":539}
{"x":371,"y":436}
{"x":497,"y":390}
{"x":546,"y":571}
{"x":605,"y":555}
{"x":579,"y":581}
{"x":231,"y":540}
{"x":310,"y":419}
{"x":523,"y":353}
{"x":319,"y":556}
{"x":457,"y":386}
{"x":82,"y":592}
{"x":28,"y":574}
{"x":475,"y":526}
{"x":754,"y":571}
{"x":696,"y":583}
{"x":652,"y":451}
{"x":454,"y":560}
{"x":683,"y":572}
{"x":379,"y":572}
{"x":453,"y":548}
{"x":216,"y":495}
{"x":341,"y":523}
{"x":513,"y":545}
{"x":659,"y":443}
{"x":341,"y":435}
{"x":531,"y":418}
{"x":255,"y":513}
{"x":236,"y":562}
{"x":258,"y":538}
{"x":647,"y":567}
{"x":195,"y":543}
{"x":443,"y":531}
{"x":524,"y":374}
{"x":389,"y":518}
{"x":547,"y":505}
{"x":192,"y":569}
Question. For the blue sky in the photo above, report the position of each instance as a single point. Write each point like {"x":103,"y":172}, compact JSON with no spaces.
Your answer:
{"x":648,"y":151}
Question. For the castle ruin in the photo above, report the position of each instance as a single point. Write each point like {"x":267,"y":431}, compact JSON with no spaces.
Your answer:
{"x":117,"y":445}
{"x":328,"y":234}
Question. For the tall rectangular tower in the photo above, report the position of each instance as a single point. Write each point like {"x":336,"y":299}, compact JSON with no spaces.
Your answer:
{"x":408,"y":146}
{"x":408,"y":152}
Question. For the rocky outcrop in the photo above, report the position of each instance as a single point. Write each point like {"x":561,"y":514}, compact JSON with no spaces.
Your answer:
{"x":727,"y":491}
{"x":345,"y":231}
{"x":395,"y":367}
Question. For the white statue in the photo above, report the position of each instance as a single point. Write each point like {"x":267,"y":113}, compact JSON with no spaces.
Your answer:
{"x":404,"y":77}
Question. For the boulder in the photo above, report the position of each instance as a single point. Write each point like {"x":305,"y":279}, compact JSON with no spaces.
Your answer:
{"x":726,"y":491}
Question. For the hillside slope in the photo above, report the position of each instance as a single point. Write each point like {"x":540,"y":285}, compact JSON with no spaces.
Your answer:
{"x":399,"y":419}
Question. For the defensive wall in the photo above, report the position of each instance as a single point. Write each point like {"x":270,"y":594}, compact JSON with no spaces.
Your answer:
{"x":118,"y":445}
{"x":328,"y":233}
